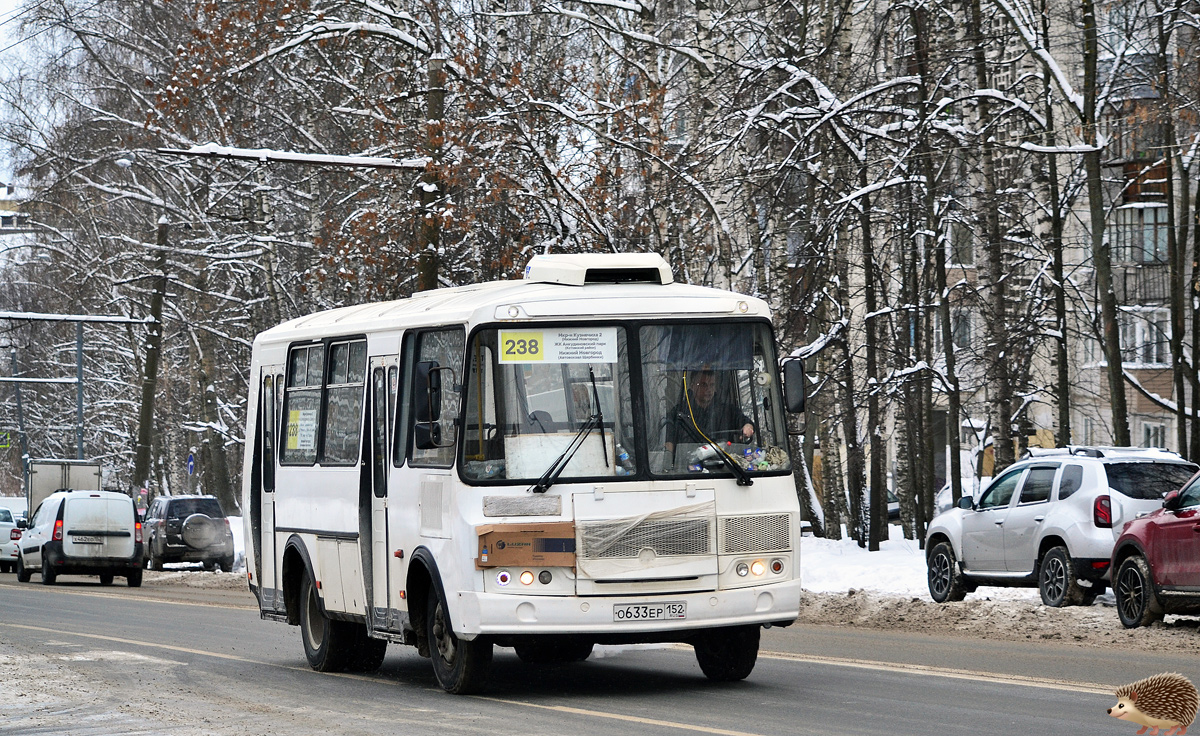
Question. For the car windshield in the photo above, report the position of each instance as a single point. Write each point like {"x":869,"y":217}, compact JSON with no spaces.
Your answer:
{"x":712,"y":387}
{"x":1148,"y":481}
{"x":185,"y":507}
{"x":6,"y":516}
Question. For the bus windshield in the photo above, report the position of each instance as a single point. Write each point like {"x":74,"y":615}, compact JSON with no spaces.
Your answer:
{"x":530,"y":392}
{"x":709,"y":388}
{"x":712,"y":388}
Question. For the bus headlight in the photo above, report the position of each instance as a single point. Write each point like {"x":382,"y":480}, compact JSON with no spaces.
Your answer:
{"x":758,"y":568}
{"x":503,"y":578}
{"x":526,"y":578}
{"x":743,"y":569}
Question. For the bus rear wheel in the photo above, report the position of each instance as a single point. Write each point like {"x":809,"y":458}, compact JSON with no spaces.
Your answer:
{"x":461,"y":666}
{"x":727,"y":655}
{"x":328,"y":644}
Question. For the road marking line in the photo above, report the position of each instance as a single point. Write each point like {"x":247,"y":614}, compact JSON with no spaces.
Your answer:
{"x":932,"y":671}
{"x":118,"y":596}
{"x":619,"y":717}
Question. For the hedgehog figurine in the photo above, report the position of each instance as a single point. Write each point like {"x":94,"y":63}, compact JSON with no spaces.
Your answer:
{"x":1165,"y":701}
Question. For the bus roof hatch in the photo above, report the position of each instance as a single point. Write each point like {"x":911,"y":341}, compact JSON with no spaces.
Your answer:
{"x":577,"y":269}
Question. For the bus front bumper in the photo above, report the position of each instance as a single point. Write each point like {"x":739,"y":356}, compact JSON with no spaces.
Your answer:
{"x":498,"y":614}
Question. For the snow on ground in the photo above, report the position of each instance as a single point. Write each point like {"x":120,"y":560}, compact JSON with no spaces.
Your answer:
{"x":898,"y":568}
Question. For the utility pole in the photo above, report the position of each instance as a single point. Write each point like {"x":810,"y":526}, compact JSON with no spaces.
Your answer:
{"x":428,"y":228}
{"x":141,"y":467}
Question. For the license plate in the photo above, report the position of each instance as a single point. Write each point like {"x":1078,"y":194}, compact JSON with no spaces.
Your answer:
{"x":87,"y":540}
{"x":650,"y":611}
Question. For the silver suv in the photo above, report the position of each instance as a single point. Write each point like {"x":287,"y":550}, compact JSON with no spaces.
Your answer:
{"x":1049,"y":521}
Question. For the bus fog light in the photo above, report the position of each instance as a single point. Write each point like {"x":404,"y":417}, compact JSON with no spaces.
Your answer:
{"x":742,"y":569}
{"x":544,"y":577}
{"x":503,"y":578}
{"x":526,"y":578}
{"x":757,"y":567}
{"x":776,"y":566}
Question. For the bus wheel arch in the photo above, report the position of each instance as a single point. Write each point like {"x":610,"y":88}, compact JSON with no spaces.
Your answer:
{"x":296,"y":567}
{"x":419,"y":585}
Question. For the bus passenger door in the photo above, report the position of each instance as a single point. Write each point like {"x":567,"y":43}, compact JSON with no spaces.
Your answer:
{"x":383,"y":380}
{"x":268,"y":572}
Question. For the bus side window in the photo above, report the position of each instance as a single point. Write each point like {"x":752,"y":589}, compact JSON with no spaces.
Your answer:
{"x":344,"y":402}
{"x":402,"y":401}
{"x":267,"y":427}
{"x":445,"y":348}
{"x":302,"y":403}
{"x":379,"y":419}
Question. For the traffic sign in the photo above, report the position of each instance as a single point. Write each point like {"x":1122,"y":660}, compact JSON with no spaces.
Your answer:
{"x":191,"y":464}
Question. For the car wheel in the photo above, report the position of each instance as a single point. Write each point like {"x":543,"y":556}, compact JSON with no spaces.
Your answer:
{"x":199,"y":531}
{"x":48,"y":575}
{"x":134,"y":578}
{"x":461,"y":666}
{"x":151,"y":562}
{"x":4,"y":567}
{"x":211,"y":566}
{"x":1057,"y":581}
{"x":727,"y":655}
{"x":226,"y":564}
{"x":552,"y":650}
{"x":945,"y":577}
{"x":23,"y":574}
{"x":368,"y":652}
{"x":1137,"y":604}
{"x":328,"y":644}
{"x":106,"y":578}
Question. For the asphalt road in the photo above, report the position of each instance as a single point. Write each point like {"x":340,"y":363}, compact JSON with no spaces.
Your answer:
{"x":171,"y":660}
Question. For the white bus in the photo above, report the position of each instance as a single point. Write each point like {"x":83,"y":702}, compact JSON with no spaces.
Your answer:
{"x":593,"y":454}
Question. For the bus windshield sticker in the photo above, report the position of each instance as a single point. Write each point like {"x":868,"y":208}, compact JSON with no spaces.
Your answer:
{"x":302,"y":429}
{"x":570,"y":345}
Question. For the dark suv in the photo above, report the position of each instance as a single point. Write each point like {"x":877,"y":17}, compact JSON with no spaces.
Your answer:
{"x":188,"y":529}
{"x":1156,"y":560}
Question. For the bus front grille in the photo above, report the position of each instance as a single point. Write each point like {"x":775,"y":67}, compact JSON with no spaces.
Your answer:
{"x":749,"y":534}
{"x":666,"y":537}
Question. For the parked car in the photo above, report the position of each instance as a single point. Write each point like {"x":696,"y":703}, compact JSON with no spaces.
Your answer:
{"x":1156,"y":560}
{"x":188,"y":529}
{"x":8,"y":545}
{"x":1049,"y":521}
{"x":893,"y":504}
{"x":82,"y":533}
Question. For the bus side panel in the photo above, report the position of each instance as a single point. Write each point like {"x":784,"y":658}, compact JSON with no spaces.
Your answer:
{"x":329,"y":573}
{"x":354,"y":599}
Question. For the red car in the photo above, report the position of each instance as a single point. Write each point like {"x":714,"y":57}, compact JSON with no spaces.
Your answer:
{"x":1156,"y":561}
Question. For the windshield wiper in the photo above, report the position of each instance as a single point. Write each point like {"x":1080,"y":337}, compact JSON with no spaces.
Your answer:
{"x":560,"y":464}
{"x":743,"y":477}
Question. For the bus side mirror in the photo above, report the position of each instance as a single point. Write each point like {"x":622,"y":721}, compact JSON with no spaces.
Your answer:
{"x":794,"y":385}
{"x":427,"y":405}
{"x":22,"y":524}
{"x":427,"y":394}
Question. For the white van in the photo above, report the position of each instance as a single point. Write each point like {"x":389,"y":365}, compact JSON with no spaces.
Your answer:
{"x":82,"y":533}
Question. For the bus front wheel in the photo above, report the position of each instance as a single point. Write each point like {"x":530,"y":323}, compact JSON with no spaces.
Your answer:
{"x":327,"y":643}
{"x":461,"y":667}
{"x":727,"y":655}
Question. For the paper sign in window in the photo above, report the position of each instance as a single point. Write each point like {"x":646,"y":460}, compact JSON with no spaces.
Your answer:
{"x":302,"y":429}
{"x":570,"y":345}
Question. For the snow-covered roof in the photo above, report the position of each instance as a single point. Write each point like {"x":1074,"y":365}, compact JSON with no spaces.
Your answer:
{"x":518,"y":301}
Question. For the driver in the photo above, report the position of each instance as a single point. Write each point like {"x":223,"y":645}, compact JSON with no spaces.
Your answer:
{"x":710,"y":414}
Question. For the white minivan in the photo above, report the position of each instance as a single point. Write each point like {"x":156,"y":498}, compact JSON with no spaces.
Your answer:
{"x":82,"y":533}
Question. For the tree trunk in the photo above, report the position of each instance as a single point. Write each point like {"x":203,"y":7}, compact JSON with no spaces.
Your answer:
{"x":1101,"y":253}
{"x":428,"y":229}
{"x":997,"y":323}
{"x":141,"y":465}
